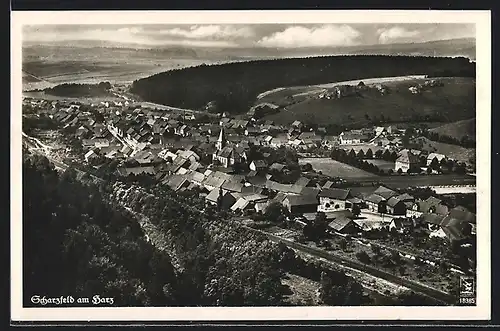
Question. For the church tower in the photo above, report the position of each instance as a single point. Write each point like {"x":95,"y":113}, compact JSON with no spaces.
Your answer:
{"x":221,"y":142}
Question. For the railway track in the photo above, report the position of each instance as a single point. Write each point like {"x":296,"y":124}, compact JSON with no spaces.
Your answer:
{"x":343,"y":261}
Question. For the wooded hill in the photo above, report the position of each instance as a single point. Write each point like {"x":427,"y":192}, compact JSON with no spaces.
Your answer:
{"x":234,"y":86}
{"x":79,"y":90}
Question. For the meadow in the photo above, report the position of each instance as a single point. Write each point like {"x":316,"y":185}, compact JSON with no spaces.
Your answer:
{"x":454,"y":101}
{"x":382,"y":164}
{"x":335,"y":168}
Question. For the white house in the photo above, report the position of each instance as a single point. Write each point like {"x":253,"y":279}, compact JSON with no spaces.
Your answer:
{"x":333,"y":199}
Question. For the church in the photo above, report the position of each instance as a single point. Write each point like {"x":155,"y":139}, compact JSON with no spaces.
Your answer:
{"x":225,"y":154}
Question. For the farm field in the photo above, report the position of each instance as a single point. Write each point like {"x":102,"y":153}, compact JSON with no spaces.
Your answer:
{"x":382,"y":164}
{"x":452,"y":102}
{"x":84,"y":100}
{"x":334,"y":168}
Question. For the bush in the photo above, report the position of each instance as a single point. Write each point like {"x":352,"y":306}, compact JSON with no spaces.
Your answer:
{"x":363,"y":257}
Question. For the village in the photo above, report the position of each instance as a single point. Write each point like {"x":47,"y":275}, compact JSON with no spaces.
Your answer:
{"x":246,"y":165}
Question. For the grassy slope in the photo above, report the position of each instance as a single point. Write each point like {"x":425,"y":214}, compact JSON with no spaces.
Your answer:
{"x":455,"y":152}
{"x":455,"y":100}
{"x":458,"y":129}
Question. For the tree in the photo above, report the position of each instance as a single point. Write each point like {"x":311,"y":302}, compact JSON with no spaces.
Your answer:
{"x":352,"y":154}
{"x":378,"y":153}
{"x":363,"y":257}
{"x":369,"y":154}
{"x":386,"y":155}
{"x":395,"y":257}
{"x":275,"y":212}
{"x":400,"y":171}
{"x":375,"y":249}
{"x":340,"y":290}
{"x":343,"y":244}
{"x":356,"y":210}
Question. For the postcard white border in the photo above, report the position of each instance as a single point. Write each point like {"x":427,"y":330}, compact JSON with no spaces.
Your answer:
{"x":482,"y":311}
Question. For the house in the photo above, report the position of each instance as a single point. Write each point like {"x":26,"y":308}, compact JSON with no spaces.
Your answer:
{"x":91,"y":155}
{"x":333,"y":199}
{"x":375,"y":203}
{"x":395,"y":206}
{"x":258,"y":165}
{"x":436,"y":156}
{"x":407,"y":160}
{"x":463,"y":214}
{"x":348,"y":138}
{"x":241,"y":205}
{"x":299,"y":204}
{"x":344,"y":225}
{"x":138,"y":170}
{"x":329,"y":141}
{"x":405,"y":197}
{"x":233,"y":186}
{"x":385,"y":192}
{"x":401,"y":225}
{"x":297,"y":124}
{"x":280,"y":139}
{"x":220,"y":198}
{"x":309,"y":137}
{"x":455,"y":230}
{"x":277,"y":167}
{"x":177,"y":182}
{"x":196,"y":177}
{"x":431,"y":205}
{"x":252,"y":131}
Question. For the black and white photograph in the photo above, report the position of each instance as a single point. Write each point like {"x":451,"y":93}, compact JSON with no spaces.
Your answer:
{"x":251,"y":163}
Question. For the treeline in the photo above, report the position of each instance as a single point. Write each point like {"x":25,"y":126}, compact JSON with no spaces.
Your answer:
{"x":79,"y":90}
{"x":361,"y":159}
{"x":233,"y":87}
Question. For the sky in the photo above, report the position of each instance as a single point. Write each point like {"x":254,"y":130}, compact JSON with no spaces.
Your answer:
{"x":248,"y":35}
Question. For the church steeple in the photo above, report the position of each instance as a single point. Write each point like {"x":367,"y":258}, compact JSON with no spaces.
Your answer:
{"x":221,"y":142}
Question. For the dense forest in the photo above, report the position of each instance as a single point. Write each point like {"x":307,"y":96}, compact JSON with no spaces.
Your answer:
{"x":79,"y":90}
{"x":78,"y":241}
{"x":233,"y":87}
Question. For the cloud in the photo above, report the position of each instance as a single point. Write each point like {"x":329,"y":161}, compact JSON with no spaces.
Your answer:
{"x":134,"y":35}
{"x":210,"y":31}
{"x":322,"y":36}
{"x":396,"y":33}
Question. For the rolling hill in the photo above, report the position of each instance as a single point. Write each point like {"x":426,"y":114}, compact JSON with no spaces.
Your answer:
{"x":458,"y":129}
{"x":234,"y":87}
{"x":453,"y":101}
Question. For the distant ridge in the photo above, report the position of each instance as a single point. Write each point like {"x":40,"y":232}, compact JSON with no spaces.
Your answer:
{"x":465,"y":47}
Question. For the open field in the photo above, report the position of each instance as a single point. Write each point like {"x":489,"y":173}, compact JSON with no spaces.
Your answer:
{"x":314,"y":89}
{"x":84,"y":100}
{"x":458,"y":129}
{"x":382,"y":164}
{"x":335,"y":168}
{"x":453,"y":101}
